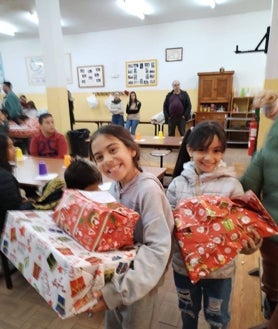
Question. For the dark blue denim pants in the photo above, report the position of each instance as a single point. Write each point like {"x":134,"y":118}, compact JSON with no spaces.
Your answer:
{"x":215,"y":294}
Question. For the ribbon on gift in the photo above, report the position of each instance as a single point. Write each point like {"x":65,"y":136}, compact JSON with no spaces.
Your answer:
{"x":211,"y":229}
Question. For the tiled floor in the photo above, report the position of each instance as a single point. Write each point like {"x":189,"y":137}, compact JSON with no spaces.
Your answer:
{"x":23,"y":308}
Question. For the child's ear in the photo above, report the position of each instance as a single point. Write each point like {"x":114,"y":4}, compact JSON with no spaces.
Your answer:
{"x":133,"y":153}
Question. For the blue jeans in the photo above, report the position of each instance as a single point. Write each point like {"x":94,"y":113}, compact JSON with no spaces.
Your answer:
{"x":215,"y":294}
{"x":131,"y":125}
{"x":118,"y":119}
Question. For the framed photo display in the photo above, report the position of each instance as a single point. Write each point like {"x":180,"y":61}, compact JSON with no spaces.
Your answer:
{"x":90,"y":76}
{"x":173,"y":54}
{"x":141,"y":73}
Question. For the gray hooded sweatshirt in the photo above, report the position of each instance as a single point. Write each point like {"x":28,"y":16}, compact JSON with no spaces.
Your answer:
{"x":221,"y":182}
{"x":153,"y":232}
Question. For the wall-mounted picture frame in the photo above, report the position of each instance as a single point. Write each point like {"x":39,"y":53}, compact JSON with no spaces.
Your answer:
{"x":141,"y":73}
{"x":173,"y":54}
{"x":36,"y":73}
{"x":90,"y":76}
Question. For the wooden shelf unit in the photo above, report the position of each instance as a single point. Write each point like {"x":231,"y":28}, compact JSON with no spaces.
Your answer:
{"x":242,"y":104}
{"x":237,"y":122}
{"x":237,"y":127}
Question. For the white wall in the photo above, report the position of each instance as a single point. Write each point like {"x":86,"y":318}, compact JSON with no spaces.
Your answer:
{"x":208,"y":44}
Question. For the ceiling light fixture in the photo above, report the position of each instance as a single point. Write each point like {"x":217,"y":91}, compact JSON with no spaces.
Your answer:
{"x":33,"y":17}
{"x":212,"y":4}
{"x":134,"y":7}
{"x":7,"y":29}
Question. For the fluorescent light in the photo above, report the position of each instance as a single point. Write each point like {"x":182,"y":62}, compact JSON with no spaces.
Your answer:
{"x":212,"y":3}
{"x":6,"y":28}
{"x":134,"y":7}
{"x":33,"y":17}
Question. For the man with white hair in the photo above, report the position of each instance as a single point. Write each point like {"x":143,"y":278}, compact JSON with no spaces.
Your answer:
{"x":177,"y":109}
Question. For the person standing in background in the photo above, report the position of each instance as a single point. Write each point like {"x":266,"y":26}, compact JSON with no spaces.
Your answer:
{"x":117,"y":110}
{"x":133,"y":113}
{"x":71,"y":110}
{"x":11,"y":102}
{"x":176,"y":109}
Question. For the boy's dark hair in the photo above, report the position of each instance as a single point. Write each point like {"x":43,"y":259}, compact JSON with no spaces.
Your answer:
{"x":8,"y":84}
{"x":81,"y":173}
{"x":123,"y":135}
{"x":44,"y":116}
{"x":199,"y":138}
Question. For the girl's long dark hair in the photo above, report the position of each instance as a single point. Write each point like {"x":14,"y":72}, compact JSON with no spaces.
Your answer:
{"x":123,"y":135}
{"x":4,"y":161}
{"x":135,"y":100}
{"x":199,"y":138}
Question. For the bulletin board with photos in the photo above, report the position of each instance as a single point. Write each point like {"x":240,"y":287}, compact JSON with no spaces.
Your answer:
{"x":141,"y":73}
{"x":90,"y":76}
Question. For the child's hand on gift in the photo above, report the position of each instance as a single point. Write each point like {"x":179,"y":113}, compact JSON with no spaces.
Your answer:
{"x":100,"y":305}
{"x":252,"y":244}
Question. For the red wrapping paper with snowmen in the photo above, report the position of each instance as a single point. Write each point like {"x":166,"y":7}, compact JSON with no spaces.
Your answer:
{"x":211,"y":229}
{"x":96,"y":220}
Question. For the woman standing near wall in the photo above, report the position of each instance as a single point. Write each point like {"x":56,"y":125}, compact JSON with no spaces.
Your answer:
{"x":133,"y":113}
{"x":117,"y":110}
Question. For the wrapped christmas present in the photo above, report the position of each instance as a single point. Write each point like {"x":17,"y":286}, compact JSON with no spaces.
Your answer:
{"x":96,"y":220}
{"x":62,"y":271}
{"x":211,"y":229}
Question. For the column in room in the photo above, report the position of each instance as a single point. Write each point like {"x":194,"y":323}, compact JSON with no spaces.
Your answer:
{"x":52,"y":45}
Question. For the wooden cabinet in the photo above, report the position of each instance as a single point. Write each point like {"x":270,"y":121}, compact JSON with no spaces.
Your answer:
{"x":215,"y":102}
{"x":215,"y":91}
{"x":215,"y":116}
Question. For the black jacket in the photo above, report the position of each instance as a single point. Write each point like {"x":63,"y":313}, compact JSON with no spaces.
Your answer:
{"x":10,"y":198}
{"x":184,"y":97}
{"x":134,"y":111}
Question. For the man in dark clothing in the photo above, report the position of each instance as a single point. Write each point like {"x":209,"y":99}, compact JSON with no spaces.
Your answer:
{"x":176,"y":109}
